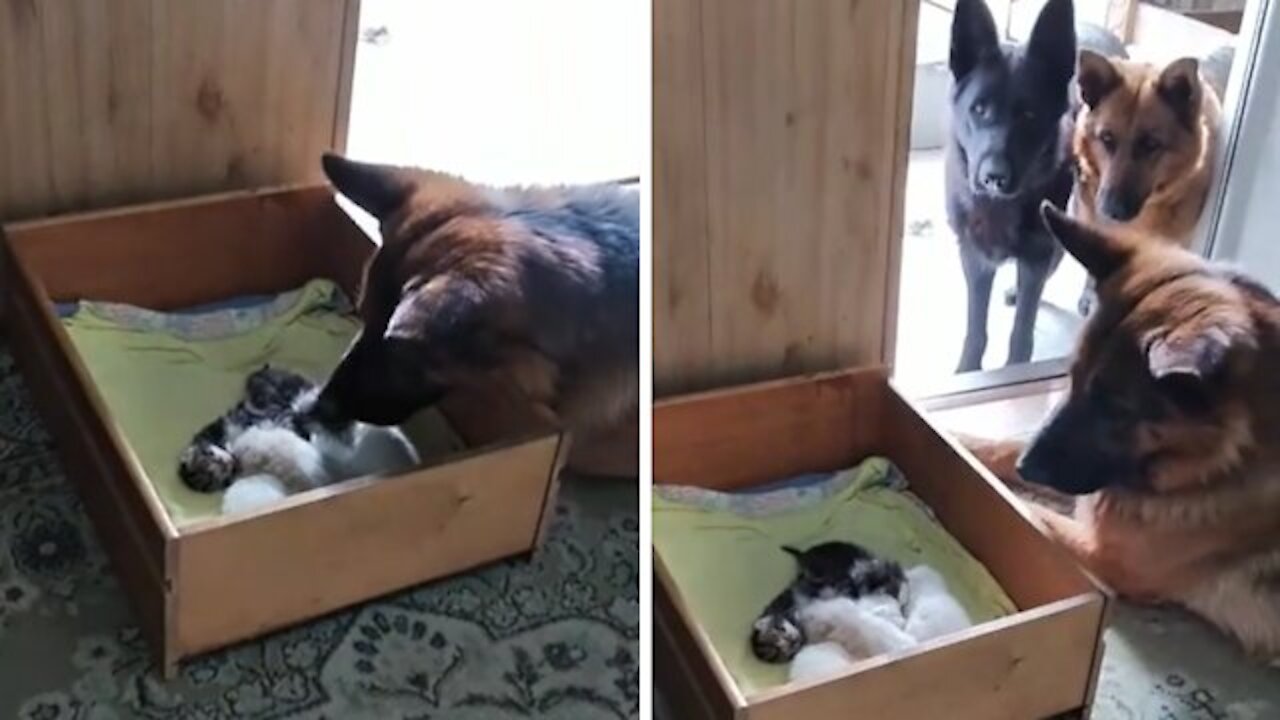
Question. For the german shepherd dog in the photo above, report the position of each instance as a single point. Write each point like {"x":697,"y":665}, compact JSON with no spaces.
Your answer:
{"x":1144,"y":146}
{"x":1008,"y":151}
{"x":534,"y":290}
{"x":1169,"y":438}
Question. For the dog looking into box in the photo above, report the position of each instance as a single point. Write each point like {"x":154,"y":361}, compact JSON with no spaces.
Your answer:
{"x":210,"y":581}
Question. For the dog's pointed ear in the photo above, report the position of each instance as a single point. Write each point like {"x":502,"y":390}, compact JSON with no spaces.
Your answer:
{"x":1179,"y":88}
{"x":436,"y":310}
{"x":973,"y":36}
{"x":1053,"y":43}
{"x":379,"y":189}
{"x":1096,"y":76}
{"x":1096,"y":250}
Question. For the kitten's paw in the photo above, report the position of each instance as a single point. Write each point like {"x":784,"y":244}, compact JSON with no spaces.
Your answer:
{"x":205,"y":467}
{"x":775,"y":639}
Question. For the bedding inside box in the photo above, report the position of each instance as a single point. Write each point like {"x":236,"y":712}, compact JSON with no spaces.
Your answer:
{"x":163,"y":376}
{"x":699,"y":533}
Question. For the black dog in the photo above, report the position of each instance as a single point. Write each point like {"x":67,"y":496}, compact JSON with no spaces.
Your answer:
{"x":1009,"y":150}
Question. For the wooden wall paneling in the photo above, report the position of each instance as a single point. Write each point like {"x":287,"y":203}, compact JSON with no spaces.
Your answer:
{"x":25,"y":175}
{"x":805,"y":115}
{"x":902,"y":71}
{"x":681,"y":285}
{"x":110,"y":103}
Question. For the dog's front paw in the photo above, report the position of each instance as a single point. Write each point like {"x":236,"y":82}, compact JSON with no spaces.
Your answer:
{"x":776,"y":639}
{"x":1088,"y":300}
{"x":205,"y":467}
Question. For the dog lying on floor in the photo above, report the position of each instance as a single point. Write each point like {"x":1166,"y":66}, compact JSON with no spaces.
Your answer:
{"x":1169,"y":439}
{"x":534,"y":290}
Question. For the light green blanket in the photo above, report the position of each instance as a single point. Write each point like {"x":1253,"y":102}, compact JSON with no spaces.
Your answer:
{"x":724,"y":551}
{"x":165,"y":375}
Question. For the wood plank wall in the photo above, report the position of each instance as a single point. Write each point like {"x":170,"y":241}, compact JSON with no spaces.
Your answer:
{"x":779,"y":165}
{"x":109,"y":102}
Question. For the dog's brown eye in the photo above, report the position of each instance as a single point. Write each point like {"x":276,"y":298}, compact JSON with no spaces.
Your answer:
{"x":981,"y":109}
{"x":1147,"y":145}
{"x":1108,"y":140}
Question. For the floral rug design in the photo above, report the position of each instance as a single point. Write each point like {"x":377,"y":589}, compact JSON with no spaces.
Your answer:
{"x":552,"y":637}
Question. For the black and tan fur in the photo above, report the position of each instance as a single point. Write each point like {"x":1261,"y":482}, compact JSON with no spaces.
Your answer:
{"x":1169,"y":439}
{"x":1144,"y":145}
{"x":535,"y":290}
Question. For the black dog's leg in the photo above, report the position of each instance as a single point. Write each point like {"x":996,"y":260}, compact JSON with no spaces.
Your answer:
{"x":1032,"y":275}
{"x":978,"y":276}
{"x":1088,"y":297}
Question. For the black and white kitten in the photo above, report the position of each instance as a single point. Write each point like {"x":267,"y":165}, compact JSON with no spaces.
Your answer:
{"x":270,"y":394}
{"x":826,"y":571}
{"x":267,"y":446}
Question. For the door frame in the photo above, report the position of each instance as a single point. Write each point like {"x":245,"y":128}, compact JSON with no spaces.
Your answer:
{"x":1252,"y":89}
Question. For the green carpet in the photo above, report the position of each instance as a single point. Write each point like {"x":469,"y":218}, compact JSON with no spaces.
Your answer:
{"x":555,"y":637}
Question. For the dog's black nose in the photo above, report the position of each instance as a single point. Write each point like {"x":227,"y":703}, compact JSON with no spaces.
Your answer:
{"x":1120,"y":206}
{"x":1029,"y":471}
{"x":996,"y":181}
{"x":996,"y":176}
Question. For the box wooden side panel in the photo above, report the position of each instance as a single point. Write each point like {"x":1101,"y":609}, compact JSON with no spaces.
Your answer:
{"x":183,"y":253}
{"x":107,"y":103}
{"x":1033,"y":665}
{"x":742,"y":436}
{"x":674,"y":674}
{"x":133,"y":538}
{"x":347,"y":543}
{"x":681,"y":666}
{"x":978,"y":511}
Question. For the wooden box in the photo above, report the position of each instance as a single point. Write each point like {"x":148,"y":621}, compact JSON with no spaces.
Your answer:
{"x":1041,"y":661}
{"x":205,"y":585}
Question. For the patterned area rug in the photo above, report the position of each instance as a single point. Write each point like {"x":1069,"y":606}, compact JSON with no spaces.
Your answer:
{"x":555,"y":637}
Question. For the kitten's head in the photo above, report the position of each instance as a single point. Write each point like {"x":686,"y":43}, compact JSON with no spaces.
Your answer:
{"x":848,"y":567}
{"x":879,"y":576}
{"x":272,"y":391}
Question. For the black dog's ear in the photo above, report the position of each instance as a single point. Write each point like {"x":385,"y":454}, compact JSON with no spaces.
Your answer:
{"x":1052,"y":46}
{"x":973,"y":36}
{"x":379,"y":189}
{"x":1096,"y":76}
{"x":1179,"y":88}
{"x":1097,"y":251}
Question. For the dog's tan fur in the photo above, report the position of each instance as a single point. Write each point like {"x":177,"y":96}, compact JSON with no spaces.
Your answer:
{"x":1129,"y":100}
{"x":1202,"y":528}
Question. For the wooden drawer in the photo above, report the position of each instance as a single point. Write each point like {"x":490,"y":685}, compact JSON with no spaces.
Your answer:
{"x":1038,"y":662}
{"x":204,"y":585}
